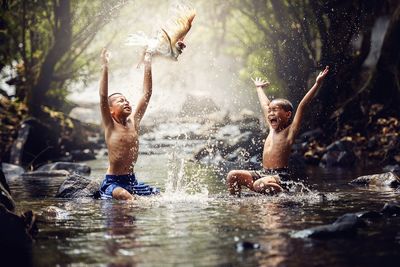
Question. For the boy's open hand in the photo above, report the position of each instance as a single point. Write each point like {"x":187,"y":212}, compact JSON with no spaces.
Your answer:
{"x":321,"y":75}
{"x":105,"y":57}
{"x":258,"y":82}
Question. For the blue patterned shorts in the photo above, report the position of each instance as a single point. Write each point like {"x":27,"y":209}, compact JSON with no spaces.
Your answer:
{"x":127,"y":182}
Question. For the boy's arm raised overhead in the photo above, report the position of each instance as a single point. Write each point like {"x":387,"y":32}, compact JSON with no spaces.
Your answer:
{"x":295,"y":126}
{"x":147,"y":91}
{"x":264,"y":101}
{"x":103,"y":91}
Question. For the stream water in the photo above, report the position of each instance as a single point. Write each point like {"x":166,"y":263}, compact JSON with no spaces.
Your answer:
{"x":195,"y":223}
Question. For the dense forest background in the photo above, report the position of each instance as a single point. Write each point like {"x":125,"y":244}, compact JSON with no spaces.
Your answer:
{"x":48,"y":47}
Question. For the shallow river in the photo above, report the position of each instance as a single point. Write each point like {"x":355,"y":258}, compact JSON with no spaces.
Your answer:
{"x":195,"y":223}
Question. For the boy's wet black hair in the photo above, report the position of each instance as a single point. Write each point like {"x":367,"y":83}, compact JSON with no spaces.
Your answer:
{"x":286,"y":105}
{"x":109,"y":98}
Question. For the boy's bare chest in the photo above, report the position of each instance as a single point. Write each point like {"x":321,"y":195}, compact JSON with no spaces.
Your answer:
{"x":124,"y":135}
{"x":277,"y":140}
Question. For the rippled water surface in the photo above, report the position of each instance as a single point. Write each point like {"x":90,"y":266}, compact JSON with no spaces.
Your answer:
{"x":196,"y":223}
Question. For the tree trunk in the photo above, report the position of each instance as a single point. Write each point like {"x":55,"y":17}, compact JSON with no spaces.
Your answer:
{"x":385,"y":85}
{"x":62,"y":44}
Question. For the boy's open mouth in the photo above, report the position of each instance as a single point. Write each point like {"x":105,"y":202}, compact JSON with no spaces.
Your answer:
{"x":273,"y":121}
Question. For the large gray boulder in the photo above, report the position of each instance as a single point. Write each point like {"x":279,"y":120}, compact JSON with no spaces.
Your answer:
{"x":71,"y":167}
{"x":77,"y":186}
{"x":388,"y":179}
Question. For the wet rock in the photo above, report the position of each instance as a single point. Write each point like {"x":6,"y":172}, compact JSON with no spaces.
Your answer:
{"x":5,"y":196}
{"x":338,"y":159}
{"x":369,"y":215}
{"x":311,"y":158}
{"x":71,"y":167}
{"x":76,"y":186}
{"x":340,"y":154}
{"x":16,"y":232}
{"x":341,"y":145}
{"x":11,"y":170}
{"x":53,"y":213}
{"x":392,"y":168}
{"x":246,"y":245}
{"x":346,"y":225}
{"x":382,"y":179}
{"x":242,"y":149}
{"x":391,"y":209}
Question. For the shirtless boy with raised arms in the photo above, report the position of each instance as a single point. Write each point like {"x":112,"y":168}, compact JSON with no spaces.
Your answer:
{"x":283,"y":128}
{"x":121,"y":127}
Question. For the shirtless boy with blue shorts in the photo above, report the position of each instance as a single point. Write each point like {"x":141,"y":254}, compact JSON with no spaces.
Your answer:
{"x":282,"y":132}
{"x":121,"y":127}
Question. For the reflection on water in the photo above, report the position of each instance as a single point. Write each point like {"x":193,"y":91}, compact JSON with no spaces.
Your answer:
{"x":195,"y":223}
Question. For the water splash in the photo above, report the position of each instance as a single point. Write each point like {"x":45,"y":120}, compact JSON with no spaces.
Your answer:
{"x":182,"y":186}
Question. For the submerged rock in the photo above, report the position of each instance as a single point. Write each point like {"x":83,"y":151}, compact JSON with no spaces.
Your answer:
{"x":348,"y":224}
{"x":71,"y":167}
{"x":76,"y":186}
{"x":381,"y":179}
{"x":53,"y":213}
{"x":344,"y":226}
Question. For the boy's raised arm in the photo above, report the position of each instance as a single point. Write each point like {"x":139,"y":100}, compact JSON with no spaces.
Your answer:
{"x":103,"y":90}
{"x":295,"y":126}
{"x":147,"y":91}
{"x":264,"y":100}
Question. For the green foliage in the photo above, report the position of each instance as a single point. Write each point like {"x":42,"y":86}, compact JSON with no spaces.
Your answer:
{"x":37,"y":46}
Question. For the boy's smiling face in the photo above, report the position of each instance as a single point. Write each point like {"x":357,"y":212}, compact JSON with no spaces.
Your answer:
{"x":278,"y":118}
{"x":119,"y":105}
